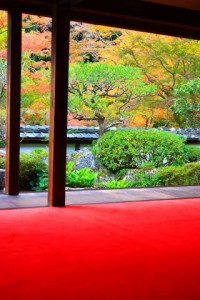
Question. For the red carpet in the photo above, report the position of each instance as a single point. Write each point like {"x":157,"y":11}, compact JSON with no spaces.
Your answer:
{"x":139,"y":251}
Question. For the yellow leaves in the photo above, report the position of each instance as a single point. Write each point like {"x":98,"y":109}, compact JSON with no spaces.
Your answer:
{"x":145,"y":117}
{"x":39,"y":104}
{"x":136,"y":121}
{"x":3,"y":19}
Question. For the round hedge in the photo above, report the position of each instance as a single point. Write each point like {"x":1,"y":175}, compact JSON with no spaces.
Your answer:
{"x":129,"y":149}
{"x":193,"y":153}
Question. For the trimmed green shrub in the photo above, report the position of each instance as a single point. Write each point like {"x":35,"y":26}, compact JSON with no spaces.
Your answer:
{"x":79,"y":178}
{"x":2,"y":162}
{"x":187,"y":174}
{"x":129,"y":149}
{"x":31,"y":168}
{"x":193,"y":153}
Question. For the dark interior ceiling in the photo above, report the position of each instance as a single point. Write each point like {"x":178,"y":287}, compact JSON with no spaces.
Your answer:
{"x":172,"y":17}
{"x":188,"y":4}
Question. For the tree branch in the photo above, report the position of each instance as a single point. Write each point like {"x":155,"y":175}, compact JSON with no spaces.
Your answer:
{"x":114,"y":124}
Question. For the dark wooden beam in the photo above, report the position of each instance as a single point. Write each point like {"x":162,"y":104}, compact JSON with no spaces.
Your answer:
{"x":13,"y":102}
{"x":148,"y":17}
{"x":41,"y":9}
{"x":139,"y":9}
{"x":135,"y":15}
{"x":58,"y":108}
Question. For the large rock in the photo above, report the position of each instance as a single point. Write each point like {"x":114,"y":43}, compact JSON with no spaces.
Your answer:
{"x":86,"y":159}
{"x":83,"y":159}
{"x":2,"y":153}
{"x":2,"y":179}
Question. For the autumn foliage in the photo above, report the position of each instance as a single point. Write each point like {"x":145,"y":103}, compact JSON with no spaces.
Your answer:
{"x":170,"y":65}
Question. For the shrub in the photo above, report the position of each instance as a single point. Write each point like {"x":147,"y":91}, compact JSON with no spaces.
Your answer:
{"x":129,"y":149}
{"x":143,"y":179}
{"x":2,"y":162}
{"x":115,"y":184}
{"x":79,"y":178}
{"x":193,"y":153}
{"x":42,"y":183}
{"x":187,"y":174}
{"x":31,"y":168}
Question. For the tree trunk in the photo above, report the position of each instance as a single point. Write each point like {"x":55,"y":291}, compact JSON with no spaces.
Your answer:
{"x":101,"y":124}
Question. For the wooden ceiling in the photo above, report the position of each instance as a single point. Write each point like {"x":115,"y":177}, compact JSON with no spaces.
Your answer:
{"x":188,"y":4}
{"x":172,"y":17}
{"x":191,"y":4}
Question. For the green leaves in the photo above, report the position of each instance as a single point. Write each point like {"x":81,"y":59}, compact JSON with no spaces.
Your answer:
{"x":79,"y":178}
{"x":187,"y":174}
{"x":130,"y":149}
{"x":99,"y":91}
{"x":187,"y":104}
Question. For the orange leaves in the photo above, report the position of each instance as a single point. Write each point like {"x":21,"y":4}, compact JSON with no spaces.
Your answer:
{"x":41,"y":64}
{"x":3,"y":54}
{"x":145,"y":117}
{"x":36,"y":76}
{"x":39,"y":88}
{"x":42,"y":22}
{"x":3,"y":19}
{"x":36,"y":42}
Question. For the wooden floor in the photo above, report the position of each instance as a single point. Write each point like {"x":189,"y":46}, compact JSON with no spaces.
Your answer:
{"x":75,"y":197}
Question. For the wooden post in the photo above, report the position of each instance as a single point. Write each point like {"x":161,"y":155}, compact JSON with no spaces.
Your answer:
{"x":13,"y":102}
{"x":58,"y":108}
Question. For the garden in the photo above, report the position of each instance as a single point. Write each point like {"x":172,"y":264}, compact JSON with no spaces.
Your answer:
{"x":117,"y":78}
{"x":119,"y":159}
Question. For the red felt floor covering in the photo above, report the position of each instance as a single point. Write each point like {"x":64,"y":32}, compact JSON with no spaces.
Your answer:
{"x":139,"y":251}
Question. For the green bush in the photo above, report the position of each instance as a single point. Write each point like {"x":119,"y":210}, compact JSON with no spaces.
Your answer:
{"x":79,"y":178}
{"x":193,"y":153}
{"x":41,"y":184}
{"x":143,"y":179}
{"x":187,"y":174}
{"x":129,"y":149}
{"x":2,"y":162}
{"x":115,"y":184}
{"x":31,"y":168}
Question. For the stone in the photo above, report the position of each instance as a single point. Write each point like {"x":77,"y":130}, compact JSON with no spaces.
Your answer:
{"x":2,"y":179}
{"x":86,"y":159}
{"x":83,"y":159}
{"x":130,"y":175}
{"x":2,"y":153}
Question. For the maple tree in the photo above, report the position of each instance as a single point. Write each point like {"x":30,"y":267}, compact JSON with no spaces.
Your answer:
{"x":36,"y":69}
{"x":3,"y":79}
{"x":171,"y":64}
{"x":90,"y":43}
{"x":3,"y":64}
{"x":187,"y":103}
{"x":3,"y":34}
{"x":3,"y":74}
{"x":163,"y":60}
{"x":105,"y":93}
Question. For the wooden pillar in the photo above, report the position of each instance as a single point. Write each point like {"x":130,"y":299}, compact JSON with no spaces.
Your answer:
{"x":13,"y":102}
{"x":58,"y":107}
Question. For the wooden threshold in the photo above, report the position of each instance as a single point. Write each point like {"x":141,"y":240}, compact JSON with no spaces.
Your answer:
{"x":81,"y":197}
